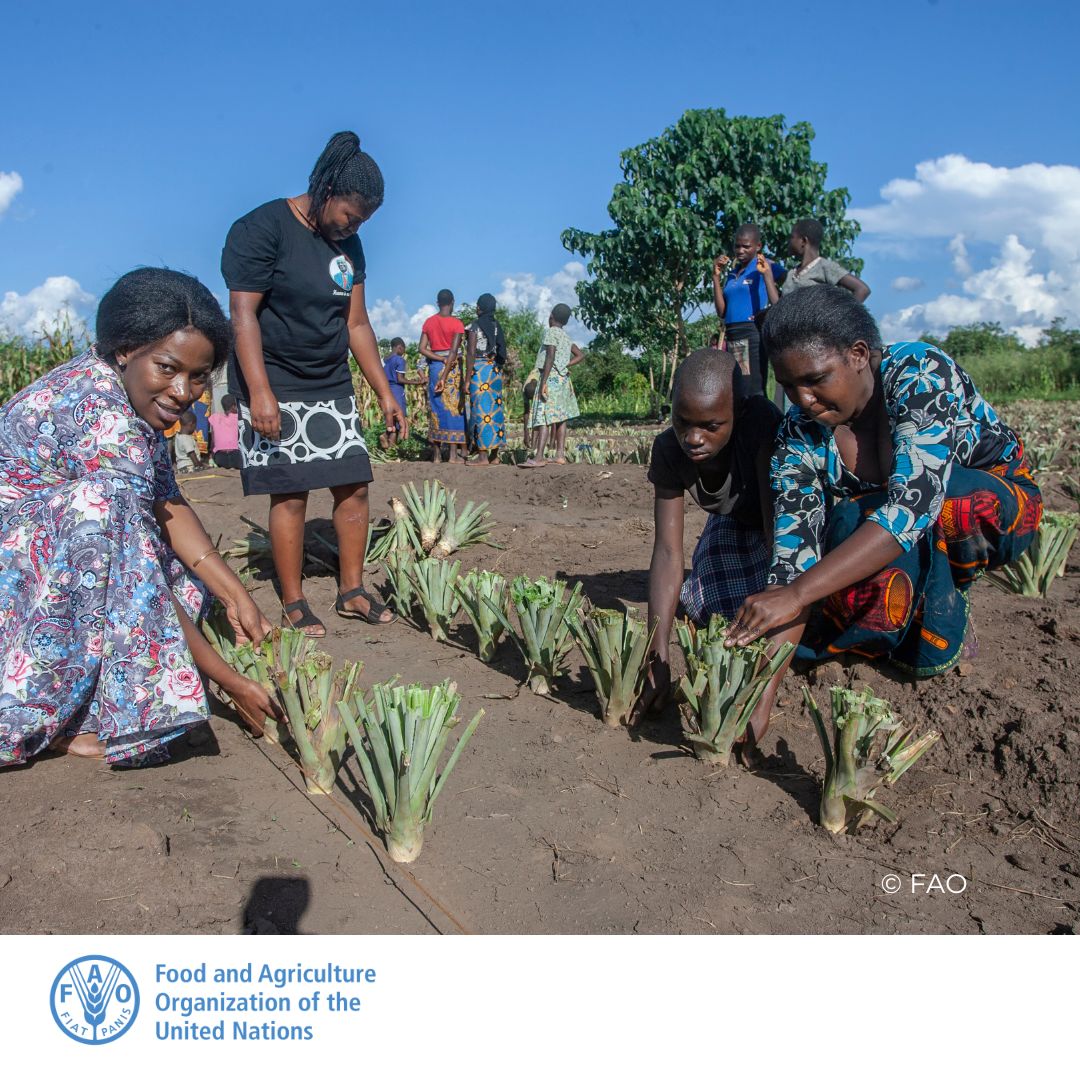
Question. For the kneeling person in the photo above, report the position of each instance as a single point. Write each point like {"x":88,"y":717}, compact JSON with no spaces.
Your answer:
{"x":718,"y":450}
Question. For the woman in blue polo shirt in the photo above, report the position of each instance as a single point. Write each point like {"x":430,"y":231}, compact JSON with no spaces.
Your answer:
{"x":741,"y":292}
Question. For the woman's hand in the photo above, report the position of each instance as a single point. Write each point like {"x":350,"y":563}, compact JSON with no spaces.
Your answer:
{"x":247,"y":621}
{"x":541,"y":391}
{"x":396,"y":420}
{"x":440,"y":386}
{"x":657,"y":690}
{"x":720,"y":265}
{"x":266,"y":414}
{"x":253,"y":703}
{"x":764,"y":267}
{"x":763,"y":612}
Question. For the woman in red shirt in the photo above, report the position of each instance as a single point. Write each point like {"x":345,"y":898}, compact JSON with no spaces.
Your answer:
{"x":440,"y":345}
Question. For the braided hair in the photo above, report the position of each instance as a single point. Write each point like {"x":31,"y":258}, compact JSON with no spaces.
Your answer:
{"x":343,"y":169}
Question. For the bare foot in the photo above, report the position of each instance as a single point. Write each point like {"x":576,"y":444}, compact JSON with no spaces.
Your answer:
{"x":87,"y":745}
{"x":532,"y":463}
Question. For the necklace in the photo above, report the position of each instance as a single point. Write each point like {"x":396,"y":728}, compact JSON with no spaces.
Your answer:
{"x":300,"y":214}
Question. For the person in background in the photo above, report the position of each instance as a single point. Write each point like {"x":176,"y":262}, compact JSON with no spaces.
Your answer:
{"x":717,"y":449}
{"x":201,"y":411}
{"x":440,"y":345}
{"x":813,"y":269}
{"x":225,"y":434}
{"x":188,"y":457}
{"x":295,"y":269}
{"x":742,"y":290}
{"x":485,"y":357}
{"x":555,"y":402}
{"x":895,"y":486}
{"x":394,"y":368}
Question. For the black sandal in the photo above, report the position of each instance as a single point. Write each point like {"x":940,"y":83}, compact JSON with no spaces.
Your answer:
{"x":309,"y":619}
{"x":374,"y":611}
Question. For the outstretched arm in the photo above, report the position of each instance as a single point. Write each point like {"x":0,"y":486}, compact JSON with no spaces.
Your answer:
{"x":365,"y":348}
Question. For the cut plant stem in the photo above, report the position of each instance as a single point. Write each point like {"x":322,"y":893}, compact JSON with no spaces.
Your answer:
{"x":399,"y":734}
{"x":479,"y":591}
{"x":615,"y":644}
{"x":428,"y":510}
{"x":471,"y":526}
{"x":401,"y":537}
{"x":434,"y":581}
{"x":545,"y":611}
{"x":723,"y":685}
{"x":866,"y":747}
{"x":399,"y":565}
{"x":1044,"y":561}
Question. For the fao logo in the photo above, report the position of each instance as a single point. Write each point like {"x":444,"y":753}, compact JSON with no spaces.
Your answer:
{"x":94,"y":999}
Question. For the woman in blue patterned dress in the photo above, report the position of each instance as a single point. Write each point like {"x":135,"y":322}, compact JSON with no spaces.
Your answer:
{"x":895,"y":486}
{"x":485,"y":356}
{"x":99,"y":650}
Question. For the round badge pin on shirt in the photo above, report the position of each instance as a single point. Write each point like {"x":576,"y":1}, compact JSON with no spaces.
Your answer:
{"x":94,"y":999}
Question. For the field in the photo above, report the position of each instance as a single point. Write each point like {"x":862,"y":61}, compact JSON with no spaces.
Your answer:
{"x":552,"y":823}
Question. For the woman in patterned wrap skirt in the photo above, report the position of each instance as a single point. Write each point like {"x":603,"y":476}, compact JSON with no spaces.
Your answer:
{"x":895,"y":485}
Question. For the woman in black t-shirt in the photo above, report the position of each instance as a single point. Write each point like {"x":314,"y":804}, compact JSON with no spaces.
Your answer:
{"x":295,"y":270}
{"x":717,"y":449}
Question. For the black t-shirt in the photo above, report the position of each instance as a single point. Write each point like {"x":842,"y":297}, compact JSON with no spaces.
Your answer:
{"x":306,"y":281}
{"x":737,"y":495}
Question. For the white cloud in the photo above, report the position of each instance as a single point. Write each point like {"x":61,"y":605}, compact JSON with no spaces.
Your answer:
{"x":1029,"y":215}
{"x":44,"y":308}
{"x":10,"y":185}
{"x":907,"y":284}
{"x":390,"y":318}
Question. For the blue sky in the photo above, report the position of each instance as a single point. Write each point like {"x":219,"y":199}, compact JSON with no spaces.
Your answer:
{"x":135,"y":133}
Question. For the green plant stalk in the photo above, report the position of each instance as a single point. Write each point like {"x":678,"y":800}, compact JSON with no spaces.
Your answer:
{"x":428,"y":511}
{"x":615,"y":645}
{"x":723,"y":686}
{"x":399,"y":735}
{"x":545,"y":612}
{"x":399,"y":566}
{"x":471,"y":526}
{"x":474,"y":590}
{"x":867,"y":747}
{"x":400,"y":537}
{"x":1045,"y":559}
{"x":433,"y":581}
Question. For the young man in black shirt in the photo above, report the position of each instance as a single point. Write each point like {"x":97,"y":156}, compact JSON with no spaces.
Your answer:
{"x":719,"y":450}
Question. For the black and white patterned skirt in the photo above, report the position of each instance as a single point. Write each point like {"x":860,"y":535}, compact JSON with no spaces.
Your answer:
{"x":321,"y":446}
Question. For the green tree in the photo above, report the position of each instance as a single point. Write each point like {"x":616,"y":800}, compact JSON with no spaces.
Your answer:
{"x":682,"y":198}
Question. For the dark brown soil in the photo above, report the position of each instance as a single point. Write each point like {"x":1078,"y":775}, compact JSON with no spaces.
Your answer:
{"x":552,"y":823}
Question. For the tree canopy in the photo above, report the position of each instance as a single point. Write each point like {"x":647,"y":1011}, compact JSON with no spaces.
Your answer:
{"x":682,"y":198}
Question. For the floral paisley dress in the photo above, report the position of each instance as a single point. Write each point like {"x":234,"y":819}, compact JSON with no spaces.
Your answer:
{"x":89,"y":638}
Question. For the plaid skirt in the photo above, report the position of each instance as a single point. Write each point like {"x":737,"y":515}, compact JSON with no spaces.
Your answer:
{"x":731,"y":562}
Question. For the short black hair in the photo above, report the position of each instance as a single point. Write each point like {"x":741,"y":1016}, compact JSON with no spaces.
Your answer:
{"x":343,"y":169}
{"x":749,"y":229}
{"x":705,"y":373}
{"x":561,"y":313}
{"x":228,"y":403}
{"x":187,"y":418}
{"x":150,"y":303}
{"x":811,"y":230}
{"x":445,"y":297}
{"x":824,"y":317}
{"x":395,"y":342}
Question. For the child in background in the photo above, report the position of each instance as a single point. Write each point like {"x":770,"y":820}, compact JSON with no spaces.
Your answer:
{"x":187,"y":453}
{"x":225,"y":434}
{"x":555,"y":402}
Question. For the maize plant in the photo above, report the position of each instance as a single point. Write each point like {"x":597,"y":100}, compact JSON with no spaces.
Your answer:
{"x":281,"y":650}
{"x":1041,"y":455}
{"x":545,"y":613}
{"x":1034,"y":572}
{"x":471,"y":526}
{"x":400,"y":537}
{"x":399,"y":735}
{"x":615,"y":645}
{"x":868,"y":747}
{"x":723,"y":685}
{"x":252,"y":548}
{"x":309,"y":693}
{"x":399,"y":565}
{"x":479,"y":591}
{"x":428,"y":511}
{"x":433,"y":581}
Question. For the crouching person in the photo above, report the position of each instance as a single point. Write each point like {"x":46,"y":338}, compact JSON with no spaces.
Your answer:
{"x":717,"y":449}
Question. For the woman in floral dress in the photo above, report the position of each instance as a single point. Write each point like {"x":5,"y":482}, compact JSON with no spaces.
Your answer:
{"x":99,"y":652}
